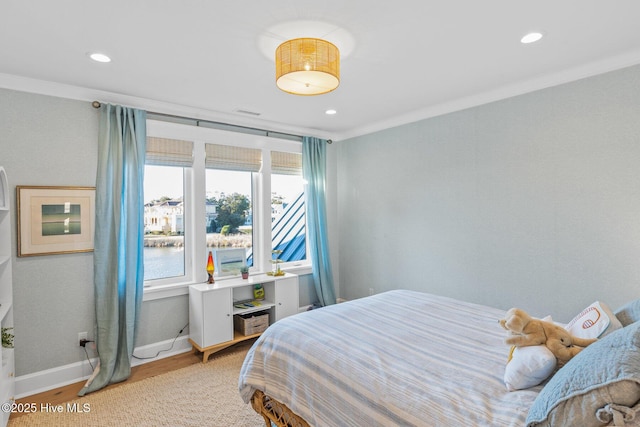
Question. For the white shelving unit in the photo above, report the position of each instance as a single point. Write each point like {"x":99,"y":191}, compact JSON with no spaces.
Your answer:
{"x":7,"y":375}
{"x":211,"y":308}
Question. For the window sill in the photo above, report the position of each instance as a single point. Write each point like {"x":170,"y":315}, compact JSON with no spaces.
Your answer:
{"x":300,"y":270}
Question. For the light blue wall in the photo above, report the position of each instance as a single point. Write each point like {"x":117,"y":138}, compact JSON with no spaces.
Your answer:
{"x":53,"y":141}
{"x":533,"y":201}
{"x":48,"y":141}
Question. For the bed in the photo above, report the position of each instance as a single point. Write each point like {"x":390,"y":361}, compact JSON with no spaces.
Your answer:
{"x":399,"y":358}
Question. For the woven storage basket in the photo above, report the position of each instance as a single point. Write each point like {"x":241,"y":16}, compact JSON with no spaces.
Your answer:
{"x":249,"y":324}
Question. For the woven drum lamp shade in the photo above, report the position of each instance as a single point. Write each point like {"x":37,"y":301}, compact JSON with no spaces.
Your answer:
{"x":307,"y":66}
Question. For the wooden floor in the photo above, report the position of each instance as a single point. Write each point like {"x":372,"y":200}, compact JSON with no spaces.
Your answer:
{"x":69,"y":392}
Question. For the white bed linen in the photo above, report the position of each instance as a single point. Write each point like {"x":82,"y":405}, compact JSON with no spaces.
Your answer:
{"x":399,"y":358}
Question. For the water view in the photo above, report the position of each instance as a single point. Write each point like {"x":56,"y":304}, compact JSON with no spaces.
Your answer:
{"x":163,"y":262}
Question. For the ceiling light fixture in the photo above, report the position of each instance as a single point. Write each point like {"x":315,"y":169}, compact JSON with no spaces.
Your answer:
{"x":100,"y":57}
{"x":531,"y":38}
{"x":330,"y":112}
{"x":307,"y":66}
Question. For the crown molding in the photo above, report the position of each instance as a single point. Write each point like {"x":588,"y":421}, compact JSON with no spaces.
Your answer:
{"x":78,"y":93}
{"x":504,"y":92}
{"x":61,"y":90}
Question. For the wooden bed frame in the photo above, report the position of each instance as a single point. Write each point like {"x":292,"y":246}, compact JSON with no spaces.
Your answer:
{"x":274,"y":412}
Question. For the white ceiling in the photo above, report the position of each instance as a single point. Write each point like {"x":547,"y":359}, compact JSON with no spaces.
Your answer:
{"x":402,"y":60}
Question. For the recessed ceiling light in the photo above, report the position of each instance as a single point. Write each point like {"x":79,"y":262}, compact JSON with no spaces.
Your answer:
{"x":99,"y":57}
{"x":330,"y":112}
{"x":531,"y":38}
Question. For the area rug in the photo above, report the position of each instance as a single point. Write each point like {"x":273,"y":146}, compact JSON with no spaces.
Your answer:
{"x":204,"y":394}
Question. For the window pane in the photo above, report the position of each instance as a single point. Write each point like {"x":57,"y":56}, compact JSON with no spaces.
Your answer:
{"x":288,"y":218}
{"x":163,"y":222}
{"x":229,"y":212}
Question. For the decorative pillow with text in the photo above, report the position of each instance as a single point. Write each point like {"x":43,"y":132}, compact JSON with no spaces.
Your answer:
{"x":595,"y":321}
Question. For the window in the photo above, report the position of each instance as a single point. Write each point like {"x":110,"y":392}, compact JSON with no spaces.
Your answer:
{"x":244,"y":191}
{"x":229,"y":179}
{"x":163,"y":222}
{"x":288,"y":226}
{"x":165,"y":209}
{"x":228,"y":207}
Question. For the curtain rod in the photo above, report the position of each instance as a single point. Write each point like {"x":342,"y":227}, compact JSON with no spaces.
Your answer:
{"x":219,"y":125}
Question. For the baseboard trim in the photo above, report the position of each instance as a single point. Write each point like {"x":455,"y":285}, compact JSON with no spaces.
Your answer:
{"x":38,"y":382}
{"x":305,"y":308}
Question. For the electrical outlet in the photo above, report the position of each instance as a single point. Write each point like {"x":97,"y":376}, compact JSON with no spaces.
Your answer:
{"x":81,"y":336}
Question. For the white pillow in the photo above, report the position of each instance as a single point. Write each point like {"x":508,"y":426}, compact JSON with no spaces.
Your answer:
{"x":528,"y":367}
{"x":595,"y":321}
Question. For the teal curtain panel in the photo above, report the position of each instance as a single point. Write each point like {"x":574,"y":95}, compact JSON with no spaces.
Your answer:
{"x":118,"y":251}
{"x":314,"y":161}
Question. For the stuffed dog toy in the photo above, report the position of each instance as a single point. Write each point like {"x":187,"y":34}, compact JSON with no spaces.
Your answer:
{"x":525,"y":330}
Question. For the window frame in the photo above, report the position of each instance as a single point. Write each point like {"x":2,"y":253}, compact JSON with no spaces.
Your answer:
{"x":195,"y":189}
{"x":187,"y":200}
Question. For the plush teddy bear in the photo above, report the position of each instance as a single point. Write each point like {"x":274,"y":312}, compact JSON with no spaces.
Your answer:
{"x":525,"y":330}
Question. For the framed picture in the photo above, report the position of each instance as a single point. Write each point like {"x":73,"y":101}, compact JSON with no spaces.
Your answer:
{"x":229,"y":261}
{"x":55,"y":220}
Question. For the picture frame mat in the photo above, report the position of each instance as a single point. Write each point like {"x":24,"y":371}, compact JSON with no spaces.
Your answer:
{"x":30,"y":202}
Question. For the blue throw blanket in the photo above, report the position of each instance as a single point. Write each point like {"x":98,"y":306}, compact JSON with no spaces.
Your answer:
{"x":599,"y":386}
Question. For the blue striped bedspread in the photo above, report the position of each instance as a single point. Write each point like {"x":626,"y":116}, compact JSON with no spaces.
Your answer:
{"x":399,"y":358}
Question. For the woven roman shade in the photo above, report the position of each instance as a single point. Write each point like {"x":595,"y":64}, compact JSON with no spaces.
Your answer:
{"x":169,"y":152}
{"x":286,"y":163}
{"x":233,"y":158}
